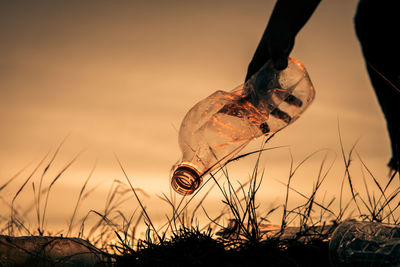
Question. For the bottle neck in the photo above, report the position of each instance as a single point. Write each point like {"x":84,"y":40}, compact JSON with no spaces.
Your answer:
{"x":185,"y":180}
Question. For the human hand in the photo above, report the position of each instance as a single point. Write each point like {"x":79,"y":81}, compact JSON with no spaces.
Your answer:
{"x":286,"y":20}
{"x":275,"y":45}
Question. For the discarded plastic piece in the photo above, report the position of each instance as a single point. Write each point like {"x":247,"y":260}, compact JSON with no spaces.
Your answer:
{"x":219,"y":126}
{"x":50,"y":251}
{"x":356,"y":243}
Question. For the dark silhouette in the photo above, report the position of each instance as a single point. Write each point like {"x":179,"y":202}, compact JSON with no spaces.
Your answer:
{"x":377,"y":27}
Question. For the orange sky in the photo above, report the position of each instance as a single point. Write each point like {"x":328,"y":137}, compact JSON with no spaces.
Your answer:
{"x":119,"y":76}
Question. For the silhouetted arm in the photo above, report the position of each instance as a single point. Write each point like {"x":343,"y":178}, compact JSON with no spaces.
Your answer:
{"x":287,"y":18}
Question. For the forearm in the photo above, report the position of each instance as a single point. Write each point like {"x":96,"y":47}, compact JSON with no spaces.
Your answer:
{"x":287,"y":18}
{"x":291,"y":15}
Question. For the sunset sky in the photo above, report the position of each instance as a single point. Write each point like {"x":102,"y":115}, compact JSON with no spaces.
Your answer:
{"x":119,"y":76}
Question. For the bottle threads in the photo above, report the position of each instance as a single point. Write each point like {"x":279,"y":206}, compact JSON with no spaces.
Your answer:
{"x":185,"y":180}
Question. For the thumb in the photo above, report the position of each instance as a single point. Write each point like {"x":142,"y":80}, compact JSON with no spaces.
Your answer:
{"x":279,"y":58}
{"x":280,"y":63}
{"x":279,"y":51}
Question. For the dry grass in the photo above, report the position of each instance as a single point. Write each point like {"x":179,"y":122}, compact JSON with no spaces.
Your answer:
{"x":182,"y":239}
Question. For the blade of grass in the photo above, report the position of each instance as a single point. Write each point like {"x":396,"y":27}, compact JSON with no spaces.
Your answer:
{"x":79,"y":198}
{"x":14,"y":176}
{"x":138,"y":199}
{"x":41,"y":182}
{"x":52,"y":184}
{"x":26,"y":181}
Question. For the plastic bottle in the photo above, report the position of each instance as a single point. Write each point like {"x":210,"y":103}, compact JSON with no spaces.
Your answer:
{"x":356,"y":243}
{"x":219,"y":126}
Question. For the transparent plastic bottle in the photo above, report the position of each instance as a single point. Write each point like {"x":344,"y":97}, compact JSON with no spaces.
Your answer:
{"x":356,"y":243}
{"x":219,"y":126}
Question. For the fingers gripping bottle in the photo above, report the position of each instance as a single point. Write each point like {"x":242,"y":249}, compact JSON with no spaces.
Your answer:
{"x":219,"y":126}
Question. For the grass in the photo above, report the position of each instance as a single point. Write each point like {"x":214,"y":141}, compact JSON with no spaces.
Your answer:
{"x":235,"y":237}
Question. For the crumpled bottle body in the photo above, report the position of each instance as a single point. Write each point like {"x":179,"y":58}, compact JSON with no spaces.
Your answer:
{"x":219,"y":126}
{"x":355,"y":243}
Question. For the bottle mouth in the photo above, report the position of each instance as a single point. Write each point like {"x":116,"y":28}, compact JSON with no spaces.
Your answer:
{"x":185,"y":180}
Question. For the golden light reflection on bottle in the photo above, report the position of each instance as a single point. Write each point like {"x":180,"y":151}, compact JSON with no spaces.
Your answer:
{"x":219,"y":126}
